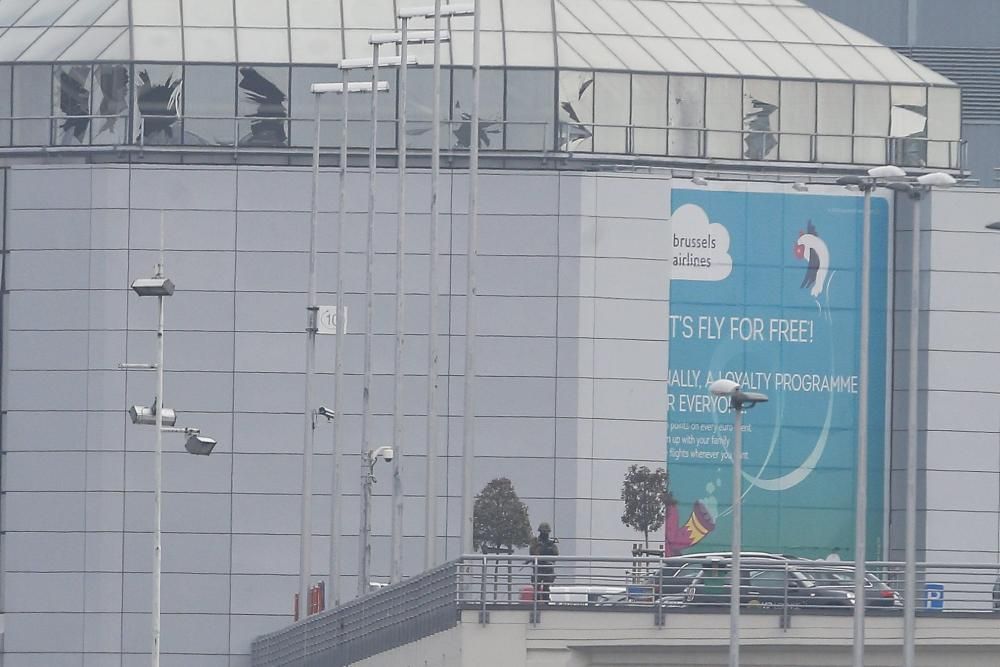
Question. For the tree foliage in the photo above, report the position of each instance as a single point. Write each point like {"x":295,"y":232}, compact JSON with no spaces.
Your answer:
{"x":500,"y":519}
{"x":646,"y":496}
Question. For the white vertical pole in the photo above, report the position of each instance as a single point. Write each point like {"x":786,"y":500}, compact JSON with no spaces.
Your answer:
{"x":158,"y":463}
{"x":430,"y":500}
{"x":910,"y":538}
{"x":309,"y":428}
{"x":737,"y":537}
{"x":364,"y":550}
{"x":397,"y":400}
{"x":338,"y":373}
{"x":861,"y":491}
{"x":469,"y":411}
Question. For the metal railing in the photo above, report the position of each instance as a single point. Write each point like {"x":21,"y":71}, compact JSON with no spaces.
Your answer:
{"x":281,"y":133}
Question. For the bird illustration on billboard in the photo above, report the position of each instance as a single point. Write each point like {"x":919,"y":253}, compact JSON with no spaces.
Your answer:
{"x":811,"y":248}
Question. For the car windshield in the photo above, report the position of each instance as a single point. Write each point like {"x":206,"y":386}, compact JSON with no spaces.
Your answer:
{"x":836,"y":577}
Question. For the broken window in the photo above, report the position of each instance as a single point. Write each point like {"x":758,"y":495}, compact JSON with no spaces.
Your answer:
{"x":71,"y":99}
{"x":263,"y":97}
{"x":110,"y":107}
{"x":158,"y":94}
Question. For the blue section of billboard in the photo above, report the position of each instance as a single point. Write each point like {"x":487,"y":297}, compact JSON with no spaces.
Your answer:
{"x":766,"y":291}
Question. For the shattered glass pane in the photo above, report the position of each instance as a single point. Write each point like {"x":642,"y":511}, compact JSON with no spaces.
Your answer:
{"x":71,"y":105}
{"x":110,"y":107}
{"x":576,"y":111}
{"x":490,"y":109}
{"x":760,"y":119}
{"x":157,"y":90}
{"x":263,"y":98}
{"x":908,"y":125}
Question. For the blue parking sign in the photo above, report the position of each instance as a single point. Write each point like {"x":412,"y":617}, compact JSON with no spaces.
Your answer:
{"x":934,"y":596}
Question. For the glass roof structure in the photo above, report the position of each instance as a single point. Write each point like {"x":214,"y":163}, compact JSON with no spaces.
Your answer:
{"x":762,"y":38}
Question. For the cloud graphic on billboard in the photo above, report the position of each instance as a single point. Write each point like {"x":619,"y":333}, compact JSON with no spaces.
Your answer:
{"x":700,"y":246}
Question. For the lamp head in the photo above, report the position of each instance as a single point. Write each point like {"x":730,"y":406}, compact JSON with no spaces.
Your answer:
{"x":153,"y":286}
{"x":937,"y":179}
{"x":851,"y":180}
{"x":723,"y":387}
{"x":800,"y":187}
{"x":199,"y":445}
{"x":699,"y":180}
{"x":888,"y":172}
{"x":995,"y":226}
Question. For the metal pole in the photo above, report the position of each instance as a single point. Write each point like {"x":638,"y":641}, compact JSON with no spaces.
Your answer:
{"x":430,"y":500}
{"x":861,"y":490}
{"x":395,"y":572}
{"x":469,"y":410}
{"x":366,"y":522}
{"x":158,"y":463}
{"x":363,"y":549}
{"x":737,"y":543}
{"x":338,"y":373}
{"x":910,"y":556}
{"x":309,"y":428}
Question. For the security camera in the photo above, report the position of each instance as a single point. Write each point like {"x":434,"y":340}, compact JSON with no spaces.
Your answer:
{"x":324,"y":411}
{"x":388,"y":454}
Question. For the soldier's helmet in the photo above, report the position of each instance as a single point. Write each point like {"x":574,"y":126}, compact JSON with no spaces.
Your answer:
{"x":544,"y":527}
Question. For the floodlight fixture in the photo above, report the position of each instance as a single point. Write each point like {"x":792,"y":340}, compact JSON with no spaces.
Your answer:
{"x":199,"y":445}
{"x":698,"y":180}
{"x":157,"y":286}
{"x":428,"y":12}
{"x":856,"y":181}
{"x":800,"y":187}
{"x":740,"y":399}
{"x":146,"y":416}
{"x":995,"y":226}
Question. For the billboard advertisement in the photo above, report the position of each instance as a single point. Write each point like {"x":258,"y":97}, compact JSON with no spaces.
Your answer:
{"x":765,"y":291}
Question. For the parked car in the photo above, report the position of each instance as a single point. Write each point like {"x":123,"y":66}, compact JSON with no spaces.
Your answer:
{"x":585,"y":594}
{"x":677,"y":574}
{"x":877,"y":592}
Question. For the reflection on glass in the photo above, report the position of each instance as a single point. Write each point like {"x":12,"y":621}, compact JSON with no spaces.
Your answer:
{"x":649,"y":114}
{"x":723,"y":117}
{"x":760,"y":119}
{"x":798,"y":120}
{"x":303,"y":107}
{"x":111,"y":103}
{"x":611,"y":113}
{"x":32,"y":101}
{"x":4,"y":105}
{"x":834,"y":121}
{"x":158,"y":96}
{"x":530,"y":100}
{"x":208,"y":105}
{"x":576,"y":111}
{"x":420,"y":108}
{"x":908,"y":125}
{"x":686,"y":113}
{"x":490,"y":109}
{"x":267,"y":101}
{"x":72,"y":95}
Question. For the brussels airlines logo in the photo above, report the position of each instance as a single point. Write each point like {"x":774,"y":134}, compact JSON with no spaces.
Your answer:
{"x":811,"y":248}
{"x":700,"y":246}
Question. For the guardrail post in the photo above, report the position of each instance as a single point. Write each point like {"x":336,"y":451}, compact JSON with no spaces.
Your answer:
{"x":786,"y":617}
{"x":659,"y":616}
{"x":484,"y":616}
{"x":533,"y":617}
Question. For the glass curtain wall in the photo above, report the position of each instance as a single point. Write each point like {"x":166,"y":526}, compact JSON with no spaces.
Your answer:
{"x":521,"y":109}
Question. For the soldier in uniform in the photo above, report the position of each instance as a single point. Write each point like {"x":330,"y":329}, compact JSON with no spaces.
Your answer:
{"x":544,"y":572}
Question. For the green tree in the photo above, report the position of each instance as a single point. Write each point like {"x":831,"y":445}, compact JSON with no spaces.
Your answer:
{"x":646,"y":496}
{"x":500,"y":519}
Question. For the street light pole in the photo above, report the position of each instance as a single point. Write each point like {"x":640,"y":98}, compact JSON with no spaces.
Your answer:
{"x":430,"y":500}
{"x":158,"y":458}
{"x":738,"y":402}
{"x":924,"y":184}
{"x":395,"y":572}
{"x":469,"y":409}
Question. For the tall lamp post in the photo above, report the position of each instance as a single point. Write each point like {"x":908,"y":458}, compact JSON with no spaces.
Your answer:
{"x":163,"y":419}
{"x":867,"y":184}
{"x":305,"y":549}
{"x":916,"y":192}
{"x":739,"y":401}
{"x":368,"y":461}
